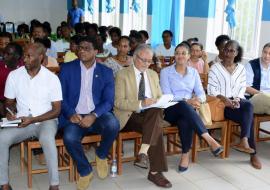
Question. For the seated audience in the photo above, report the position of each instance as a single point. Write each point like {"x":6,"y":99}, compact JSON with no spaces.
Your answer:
{"x":115,"y":34}
{"x":122,"y":59}
{"x":91,"y":30}
{"x":258,"y":81}
{"x":5,"y":39}
{"x":73,"y":49}
{"x":88,"y":95}
{"x":12,"y":59}
{"x":34,"y":95}
{"x":220,"y":44}
{"x":48,"y":61}
{"x":166,"y":49}
{"x":39,"y":31}
{"x":135,"y":40}
{"x":184,"y":83}
{"x":79,"y":29}
{"x":137,"y":87}
{"x":62,"y":44}
{"x":198,"y":60}
{"x":102,"y":53}
{"x":227,"y":81}
{"x":190,"y":41}
{"x":144,"y":35}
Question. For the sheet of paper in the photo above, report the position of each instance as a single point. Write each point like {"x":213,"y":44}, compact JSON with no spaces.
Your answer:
{"x":165,"y":101}
{"x":10,"y":123}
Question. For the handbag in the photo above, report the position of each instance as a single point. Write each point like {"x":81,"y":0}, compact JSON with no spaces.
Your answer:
{"x":216,"y":108}
{"x":205,"y":113}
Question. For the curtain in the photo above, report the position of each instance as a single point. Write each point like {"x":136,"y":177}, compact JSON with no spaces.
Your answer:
{"x":230,"y":13}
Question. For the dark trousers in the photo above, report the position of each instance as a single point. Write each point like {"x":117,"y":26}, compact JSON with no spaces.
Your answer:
{"x":187,"y":120}
{"x":106,"y":125}
{"x":148,"y":124}
{"x":244,"y":116}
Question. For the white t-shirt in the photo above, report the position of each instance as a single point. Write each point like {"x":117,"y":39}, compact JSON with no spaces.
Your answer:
{"x":162,"y":51}
{"x":33,"y":95}
{"x":112,"y":49}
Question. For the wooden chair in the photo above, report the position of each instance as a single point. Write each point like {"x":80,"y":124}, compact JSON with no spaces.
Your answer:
{"x":173,"y":141}
{"x":123,"y":136}
{"x":222,"y":125}
{"x":60,"y":57}
{"x":204,"y":79}
{"x":258,"y":118}
{"x":55,"y":70}
{"x":166,"y":60}
{"x":65,"y":161}
{"x":232,"y":129}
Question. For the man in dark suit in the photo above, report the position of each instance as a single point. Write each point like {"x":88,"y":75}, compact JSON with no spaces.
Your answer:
{"x":88,"y":96}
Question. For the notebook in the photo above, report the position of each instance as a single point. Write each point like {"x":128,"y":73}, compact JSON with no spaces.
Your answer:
{"x":10,"y":123}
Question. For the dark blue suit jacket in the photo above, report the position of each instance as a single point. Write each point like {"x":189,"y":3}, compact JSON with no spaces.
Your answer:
{"x":102,"y":89}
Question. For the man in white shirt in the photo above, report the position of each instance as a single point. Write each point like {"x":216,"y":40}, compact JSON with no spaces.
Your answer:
{"x":35,"y":93}
{"x":258,"y":81}
{"x":166,"y":49}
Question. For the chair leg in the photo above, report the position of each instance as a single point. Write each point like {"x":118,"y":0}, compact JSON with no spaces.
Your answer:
{"x":119,"y":156}
{"x":194,"y":148}
{"x":228,"y":143}
{"x":257,"y":129}
{"x":22,"y":157}
{"x":224,"y":140}
{"x":29,"y":165}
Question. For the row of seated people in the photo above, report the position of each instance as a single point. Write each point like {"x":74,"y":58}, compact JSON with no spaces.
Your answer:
{"x":88,"y":97}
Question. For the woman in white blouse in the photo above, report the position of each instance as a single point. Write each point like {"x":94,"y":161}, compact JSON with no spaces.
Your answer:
{"x":227,"y":81}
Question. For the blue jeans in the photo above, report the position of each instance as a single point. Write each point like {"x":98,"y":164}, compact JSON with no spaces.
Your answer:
{"x":187,"y":121}
{"x":106,"y":125}
{"x":243,"y":116}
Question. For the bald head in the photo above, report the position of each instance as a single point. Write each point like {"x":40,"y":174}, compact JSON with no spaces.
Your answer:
{"x":34,"y":55}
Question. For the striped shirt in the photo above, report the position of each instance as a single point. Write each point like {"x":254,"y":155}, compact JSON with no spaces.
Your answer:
{"x":221,"y":82}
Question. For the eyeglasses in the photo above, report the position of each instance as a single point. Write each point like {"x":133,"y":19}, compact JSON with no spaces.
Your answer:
{"x":226,"y":50}
{"x":85,"y":48}
{"x":148,"y":61}
{"x":184,"y":53}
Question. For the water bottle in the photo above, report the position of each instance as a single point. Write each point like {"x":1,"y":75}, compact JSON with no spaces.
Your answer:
{"x":114,"y":168}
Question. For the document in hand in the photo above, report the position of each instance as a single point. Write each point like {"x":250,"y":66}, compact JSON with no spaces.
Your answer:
{"x":165,"y":101}
{"x":10,"y":123}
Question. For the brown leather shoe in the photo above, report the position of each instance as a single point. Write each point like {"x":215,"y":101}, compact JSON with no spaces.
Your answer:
{"x":54,"y":187}
{"x":142,"y":161}
{"x":255,"y":162}
{"x":159,"y":179}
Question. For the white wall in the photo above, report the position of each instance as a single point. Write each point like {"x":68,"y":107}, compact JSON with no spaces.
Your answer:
{"x":17,"y":11}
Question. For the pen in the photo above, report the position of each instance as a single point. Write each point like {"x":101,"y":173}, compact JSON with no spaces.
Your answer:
{"x":10,"y":111}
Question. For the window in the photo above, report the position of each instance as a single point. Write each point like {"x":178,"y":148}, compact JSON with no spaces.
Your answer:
{"x":248,"y":20}
{"x":246,"y":32}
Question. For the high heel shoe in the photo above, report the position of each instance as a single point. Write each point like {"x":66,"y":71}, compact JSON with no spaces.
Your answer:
{"x":182,"y":169}
{"x":218,"y":151}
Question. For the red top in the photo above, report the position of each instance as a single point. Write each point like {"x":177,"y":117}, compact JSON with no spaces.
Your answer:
{"x":4,"y":71}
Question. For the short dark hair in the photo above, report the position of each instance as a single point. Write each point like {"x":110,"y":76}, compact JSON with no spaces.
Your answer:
{"x":221,"y":38}
{"x":125,"y":38}
{"x":18,"y":49}
{"x":195,"y":39}
{"x":115,"y":30}
{"x":239,"y":49}
{"x":184,"y":44}
{"x":47,"y":27}
{"x":197,"y":44}
{"x":145,"y":33}
{"x":267,"y":45}
{"x":6,"y":35}
{"x":75,"y":39}
{"x":89,"y":39}
{"x":168,"y":32}
{"x":136,"y":35}
{"x":45,"y":41}
{"x":79,"y":28}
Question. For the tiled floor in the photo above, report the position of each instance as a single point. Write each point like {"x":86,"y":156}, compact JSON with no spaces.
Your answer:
{"x":209,"y":173}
